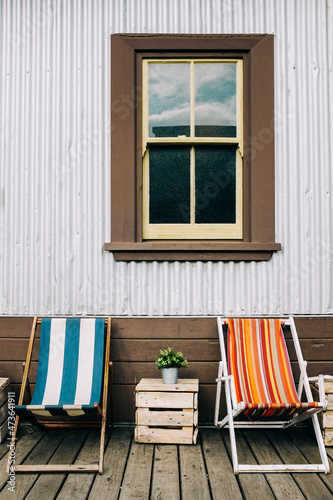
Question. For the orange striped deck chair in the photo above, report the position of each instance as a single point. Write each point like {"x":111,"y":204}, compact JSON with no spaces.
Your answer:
{"x":259,"y":385}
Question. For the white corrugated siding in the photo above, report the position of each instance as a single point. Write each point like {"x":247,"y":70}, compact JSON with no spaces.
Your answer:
{"x":55,"y":162}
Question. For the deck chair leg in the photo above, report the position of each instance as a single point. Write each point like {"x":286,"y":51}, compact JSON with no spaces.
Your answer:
{"x":233,"y":446}
{"x":218,"y":395}
{"x":102,"y":446}
{"x":231,"y":429}
{"x":105,"y":394}
{"x":320,"y":442}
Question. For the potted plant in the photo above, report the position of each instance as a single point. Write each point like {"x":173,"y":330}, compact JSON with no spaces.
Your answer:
{"x":170,"y":362}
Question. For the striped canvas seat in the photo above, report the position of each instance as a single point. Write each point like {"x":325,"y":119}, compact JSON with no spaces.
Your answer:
{"x":70,"y":367}
{"x":260,"y":365}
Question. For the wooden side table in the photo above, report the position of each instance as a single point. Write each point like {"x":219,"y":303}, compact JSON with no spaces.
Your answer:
{"x":167,"y":413}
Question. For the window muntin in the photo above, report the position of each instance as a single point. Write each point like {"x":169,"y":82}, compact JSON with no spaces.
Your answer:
{"x":197,"y":103}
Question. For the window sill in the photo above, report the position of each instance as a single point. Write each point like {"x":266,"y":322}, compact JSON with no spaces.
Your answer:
{"x":192,"y":250}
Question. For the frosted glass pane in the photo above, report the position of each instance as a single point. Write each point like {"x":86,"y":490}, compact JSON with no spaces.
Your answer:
{"x":215,"y":185}
{"x":169,"y":185}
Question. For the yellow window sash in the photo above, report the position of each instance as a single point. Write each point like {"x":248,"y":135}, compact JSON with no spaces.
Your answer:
{"x":193,"y":230}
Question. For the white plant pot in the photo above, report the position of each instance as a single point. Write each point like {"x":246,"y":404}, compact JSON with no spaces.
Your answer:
{"x":170,"y":375}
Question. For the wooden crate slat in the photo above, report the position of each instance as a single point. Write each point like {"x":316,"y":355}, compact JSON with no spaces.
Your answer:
{"x":164,"y":400}
{"x":144,"y":416}
{"x":3,"y":430}
{"x":156,"y":384}
{"x":328,"y":420}
{"x":4,"y":388}
{"x":328,"y":437}
{"x":328,"y":387}
{"x":325,"y":417}
{"x":3,"y":398}
{"x":3,"y":412}
{"x":4,"y":383}
{"x":195,"y":435}
{"x":170,"y":436}
{"x":329,"y":398}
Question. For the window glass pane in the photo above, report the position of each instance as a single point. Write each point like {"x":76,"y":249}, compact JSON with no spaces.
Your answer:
{"x":169,"y":185}
{"x":215,"y":185}
{"x":215,"y":99}
{"x":169,"y":100}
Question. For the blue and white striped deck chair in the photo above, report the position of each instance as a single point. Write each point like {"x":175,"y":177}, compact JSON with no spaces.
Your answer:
{"x":73,"y":362}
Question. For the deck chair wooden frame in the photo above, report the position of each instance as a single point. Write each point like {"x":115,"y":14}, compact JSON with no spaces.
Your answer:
{"x":236,"y":408}
{"x":100,"y":409}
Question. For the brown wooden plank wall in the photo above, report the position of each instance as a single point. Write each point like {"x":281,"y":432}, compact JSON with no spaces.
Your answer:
{"x":136,"y":342}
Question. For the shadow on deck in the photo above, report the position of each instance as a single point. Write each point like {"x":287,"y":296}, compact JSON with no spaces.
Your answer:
{"x":170,"y":472}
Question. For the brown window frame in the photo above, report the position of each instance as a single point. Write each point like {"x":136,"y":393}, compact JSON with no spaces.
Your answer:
{"x":257,"y":52}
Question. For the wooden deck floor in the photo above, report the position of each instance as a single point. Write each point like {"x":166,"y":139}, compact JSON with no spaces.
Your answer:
{"x":165,"y":472}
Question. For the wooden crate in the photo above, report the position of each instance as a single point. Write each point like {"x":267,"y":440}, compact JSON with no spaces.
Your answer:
{"x":167,"y":413}
{"x":3,"y":430}
{"x":326,"y":417}
{"x":4,"y":387}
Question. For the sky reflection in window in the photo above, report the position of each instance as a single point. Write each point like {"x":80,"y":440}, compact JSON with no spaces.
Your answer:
{"x":169,"y":100}
{"x":215,"y":99}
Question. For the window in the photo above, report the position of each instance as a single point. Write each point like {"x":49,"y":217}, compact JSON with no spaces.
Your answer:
{"x":192,"y":143}
{"x":192,"y":169}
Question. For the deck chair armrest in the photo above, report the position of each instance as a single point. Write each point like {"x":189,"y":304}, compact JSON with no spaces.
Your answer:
{"x":223,"y":379}
{"x":99,"y":409}
{"x":321,"y":385}
{"x":230,"y":379}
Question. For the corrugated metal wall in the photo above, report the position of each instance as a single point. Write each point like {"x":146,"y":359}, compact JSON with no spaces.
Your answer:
{"x":55,"y":162}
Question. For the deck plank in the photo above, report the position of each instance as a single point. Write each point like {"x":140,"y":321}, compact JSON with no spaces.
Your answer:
{"x":282,"y":485}
{"x":136,"y":483}
{"x":309,"y":447}
{"x":77,"y":485}
{"x":6,"y":442}
{"x":107,"y":485}
{"x":309,"y":483}
{"x":165,"y":483}
{"x":253,"y":485}
{"x":223,"y":482}
{"x":23,"y":448}
{"x":194,"y":483}
{"x":41,"y":454}
{"x":148,"y":471}
{"x":329,"y":450}
{"x":47,"y":485}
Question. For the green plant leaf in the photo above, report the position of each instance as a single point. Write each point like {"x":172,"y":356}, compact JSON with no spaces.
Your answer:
{"x":170,"y":359}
